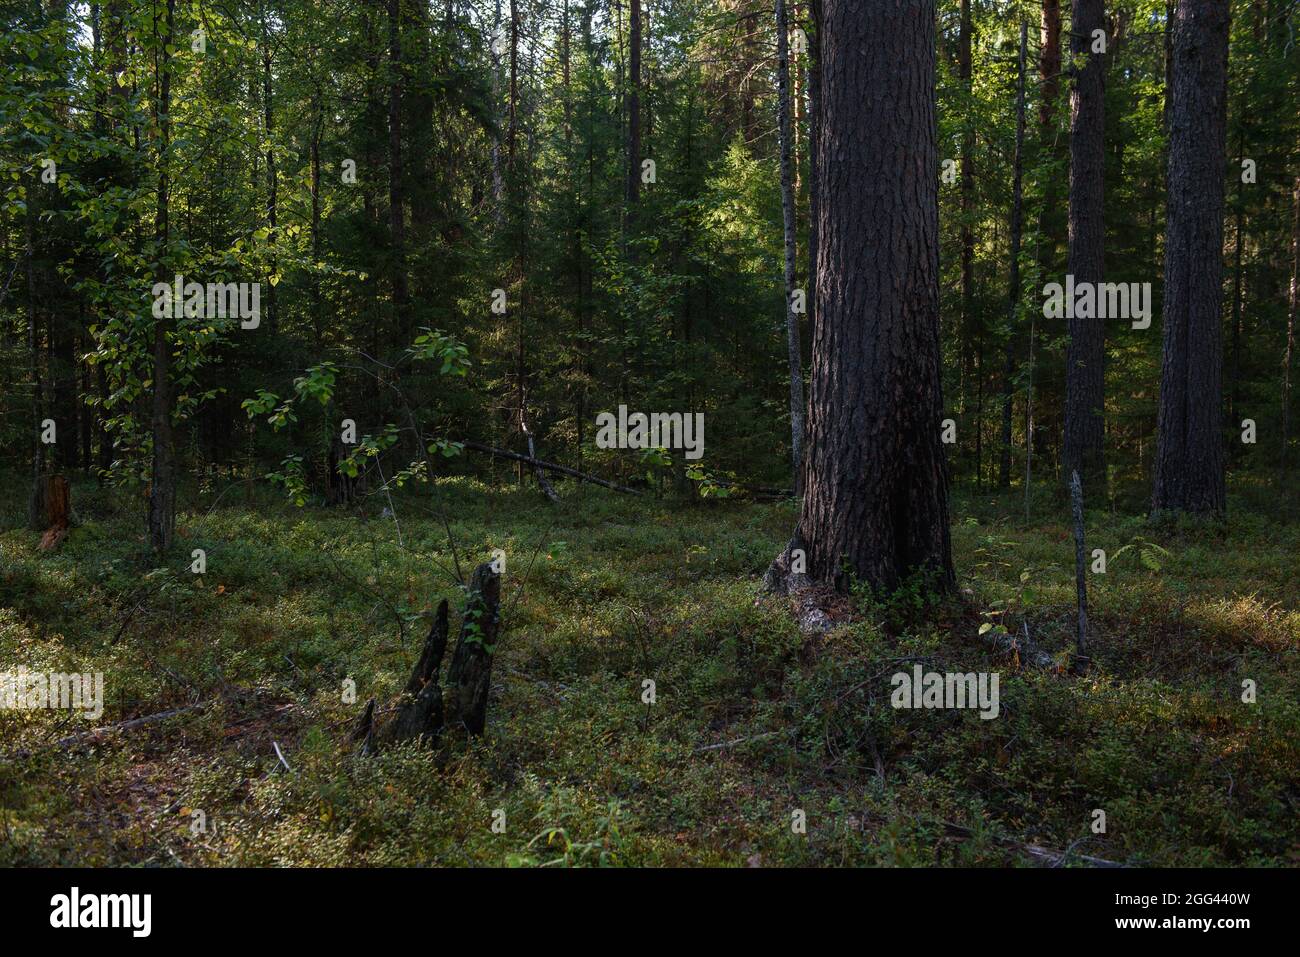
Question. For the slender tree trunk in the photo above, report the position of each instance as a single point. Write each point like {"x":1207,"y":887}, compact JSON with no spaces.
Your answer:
{"x":1049,"y":63}
{"x":970,"y":330}
{"x":1293,"y":303}
{"x":272,"y":177}
{"x":1086,"y":353}
{"x":396,"y":192}
{"x":875,"y":507}
{"x":788,"y":212}
{"x":36,"y":505}
{"x":317,"y":303}
{"x":1013,"y":296}
{"x":1051,"y":224}
{"x":162,"y":486}
{"x":1234,"y":393}
{"x":1189,"y":468}
{"x":1049,"y":78}
{"x":634,"y":111}
{"x":498,"y":183}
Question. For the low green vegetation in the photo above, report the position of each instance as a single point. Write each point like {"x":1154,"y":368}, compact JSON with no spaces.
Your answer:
{"x":750,"y":723}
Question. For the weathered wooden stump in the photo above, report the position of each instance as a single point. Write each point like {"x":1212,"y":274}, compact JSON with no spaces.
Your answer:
{"x":470,"y":674}
{"x":423,"y":713}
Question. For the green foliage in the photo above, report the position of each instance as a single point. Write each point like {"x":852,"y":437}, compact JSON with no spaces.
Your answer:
{"x":750,"y":722}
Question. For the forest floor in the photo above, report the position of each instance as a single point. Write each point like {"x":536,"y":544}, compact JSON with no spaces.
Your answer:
{"x":750,"y":724}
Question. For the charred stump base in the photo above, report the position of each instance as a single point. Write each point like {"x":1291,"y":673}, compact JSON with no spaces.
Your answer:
{"x":424,"y":711}
{"x":786,"y":576}
{"x":812,"y":601}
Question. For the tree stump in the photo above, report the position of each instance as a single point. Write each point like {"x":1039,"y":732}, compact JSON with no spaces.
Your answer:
{"x":470,"y":674}
{"x":423,"y":713}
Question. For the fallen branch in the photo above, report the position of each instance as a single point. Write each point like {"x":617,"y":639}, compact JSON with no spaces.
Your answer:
{"x":1055,"y":858}
{"x":542,"y":480}
{"x":722,"y":745}
{"x":95,"y":733}
{"x":280,"y":754}
{"x":755,"y":489}
{"x":128,"y":725}
{"x":551,"y":466}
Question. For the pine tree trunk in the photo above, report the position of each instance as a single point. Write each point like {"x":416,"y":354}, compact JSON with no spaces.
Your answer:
{"x":814,"y":137}
{"x":970,"y":329}
{"x":1086,"y":354}
{"x":1013,"y":295}
{"x":788,"y":212}
{"x":162,"y":483}
{"x":396,"y":194}
{"x":1049,"y":76}
{"x":634,"y":111}
{"x":1189,"y":469}
{"x":1293,"y":304}
{"x":875,"y":507}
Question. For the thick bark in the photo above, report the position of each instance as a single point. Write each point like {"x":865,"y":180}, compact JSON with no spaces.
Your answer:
{"x":420,"y":711}
{"x":788,"y":214}
{"x":1049,"y":62}
{"x":469,"y":677}
{"x":1050,"y":223}
{"x":1086,"y":353}
{"x":1049,"y":75}
{"x":875,"y":507}
{"x":1189,"y":469}
{"x":1080,"y":575}
{"x":425,"y":710}
{"x":317,"y":302}
{"x":52,"y":504}
{"x":1013,"y":294}
{"x":1234,"y":392}
{"x":814,"y":174}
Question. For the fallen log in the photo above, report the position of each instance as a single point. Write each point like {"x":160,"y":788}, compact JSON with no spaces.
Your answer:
{"x":550,"y":466}
{"x":94,"y":734}
{"x":538,"y":472}
{"x":127,"y":725}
